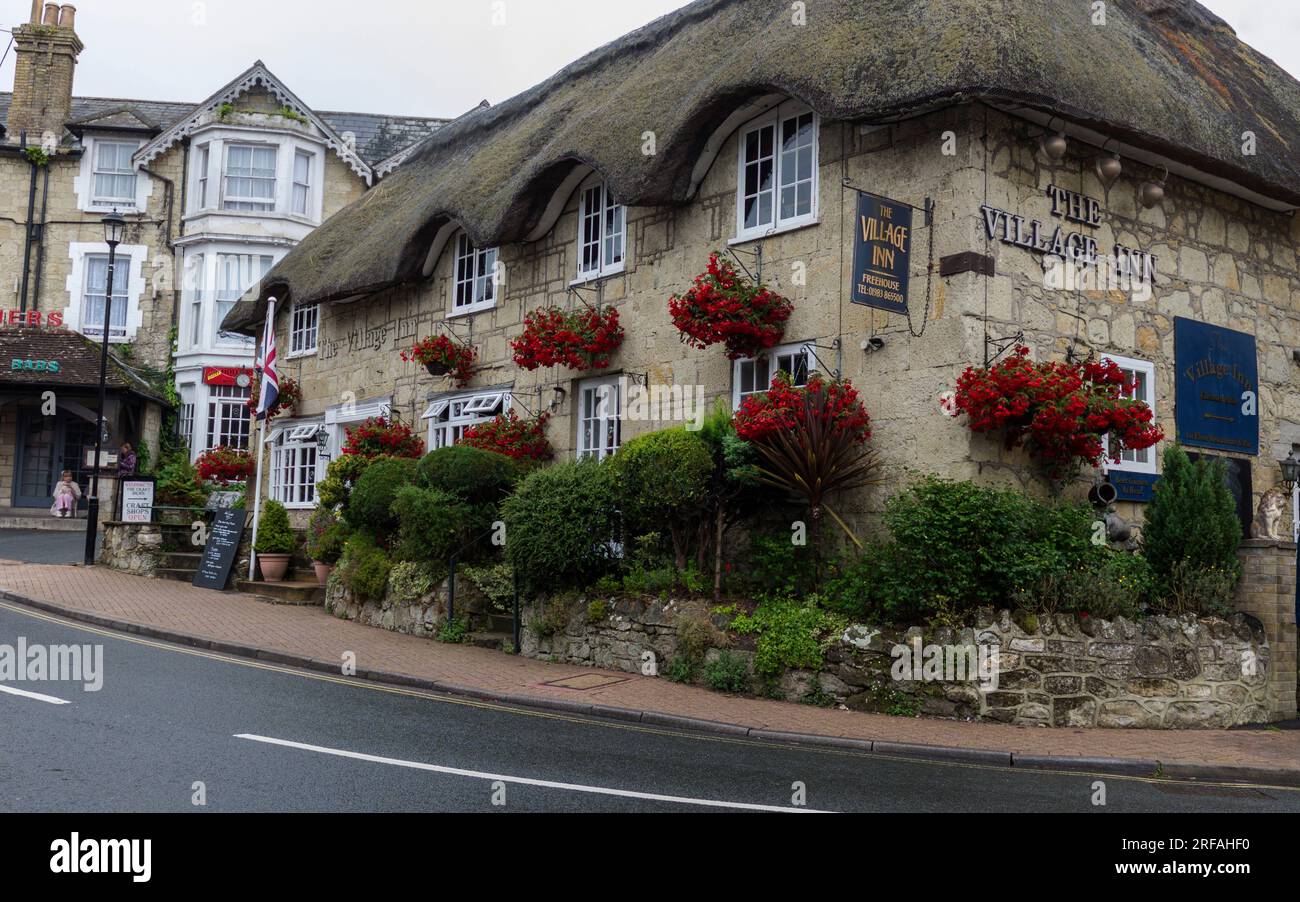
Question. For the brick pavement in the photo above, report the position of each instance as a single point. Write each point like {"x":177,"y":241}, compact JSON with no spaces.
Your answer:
{"x":310,"y":632}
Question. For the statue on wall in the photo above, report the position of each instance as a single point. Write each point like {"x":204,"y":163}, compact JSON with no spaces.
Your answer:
{"x":1268,"y":519}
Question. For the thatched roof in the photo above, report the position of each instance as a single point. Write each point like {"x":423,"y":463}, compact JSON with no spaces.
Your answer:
{"x":1163,"y":75}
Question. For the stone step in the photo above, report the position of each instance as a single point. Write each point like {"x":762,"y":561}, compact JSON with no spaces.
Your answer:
{"x":500,"y":623}
{"x":40,"y":521}
{"x":176,"y":574}
{"x":494,"y":641}
{"x":179,"y":560}
{"x":304,"y":593}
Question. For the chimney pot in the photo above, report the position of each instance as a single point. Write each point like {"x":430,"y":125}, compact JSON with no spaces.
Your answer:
{"x":51,"y":15}
{"x":37,"y":5}
{"x":67,"y":16}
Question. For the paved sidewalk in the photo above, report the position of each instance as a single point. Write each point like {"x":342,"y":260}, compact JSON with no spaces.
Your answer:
{"x":231,"y":620}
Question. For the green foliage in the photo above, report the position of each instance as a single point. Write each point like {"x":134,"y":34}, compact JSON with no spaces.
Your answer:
{"x":454,"y":631}
{"x":370,"y":506}
{"x":1112,"y":584}
{"x":597,"y":610}
{"x":36,"y":156}
{"x":495,"y":580}
{"x":553,"y":619}
{"x":560,"y":526}
{"x":178,"y":482}
{"x":1192,"y":588}
{"x":291,"y":114}
{"x":472,"y":474}
{"x":365,"y":567}
{"x":335,"y":490}
{"x":225,"y":111}
{"x":326,"y":536}
{"x":274,"y":534}
{"x":410,"y":581}
{"x":778,"y":568}
{"x":727,"y":673}
{"x":696,"y":634}
{"x":662,"y":479}
{"x":792,"y":635}
{"x":1191,"y":518}
{"x":681,"y":669}
{"x":430,"y":523}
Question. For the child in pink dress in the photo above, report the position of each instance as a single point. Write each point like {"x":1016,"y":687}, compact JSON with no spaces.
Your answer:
{"x":66,"y":495}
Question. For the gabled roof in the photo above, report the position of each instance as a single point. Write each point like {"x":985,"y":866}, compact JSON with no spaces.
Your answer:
{"x":1166,"y":76}
{"x":256,"y":75}
{"x":78,"y":359}
{"x":122,"y":119}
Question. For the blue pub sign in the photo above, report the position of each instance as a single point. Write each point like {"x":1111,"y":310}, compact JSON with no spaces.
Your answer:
{"x":882,"y":253}
{"x":1217,"y":387}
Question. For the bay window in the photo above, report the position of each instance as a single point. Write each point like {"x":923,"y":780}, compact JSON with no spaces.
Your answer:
{"x":777,"y":173}
{"x":236,"y":274}
{"x":250,"y":178}
{"x":229,"y":419}
{"x":301,"y":183}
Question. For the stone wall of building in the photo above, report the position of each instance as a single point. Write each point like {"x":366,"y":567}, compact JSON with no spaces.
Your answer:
{"x":1268,"y":593}
{"x":132,"y":547}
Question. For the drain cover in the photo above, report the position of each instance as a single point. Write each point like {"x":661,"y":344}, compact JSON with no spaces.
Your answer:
{"x":585,"y":681}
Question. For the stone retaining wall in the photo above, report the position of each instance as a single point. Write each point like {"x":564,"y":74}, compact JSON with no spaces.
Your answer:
{"x":132,"y":547}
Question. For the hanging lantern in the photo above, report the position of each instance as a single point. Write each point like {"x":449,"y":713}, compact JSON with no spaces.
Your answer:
{"x":1153,"y":192}
{"x":1054,"y":146}
{"x":1109,"y":168}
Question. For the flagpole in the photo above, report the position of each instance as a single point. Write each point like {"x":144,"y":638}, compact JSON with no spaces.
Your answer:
{"x":261,"y":437}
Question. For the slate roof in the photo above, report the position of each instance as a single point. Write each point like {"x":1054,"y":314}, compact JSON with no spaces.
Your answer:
{"x":378,"y":136}
{"x":1166,"y":76}
{"x":78,"y":359}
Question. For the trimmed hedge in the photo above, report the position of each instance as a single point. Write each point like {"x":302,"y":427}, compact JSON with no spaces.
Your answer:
{"x":471,"y":474}
{"x":561,"y":526}
{"x":370,"y":505}
{"x":433,"y":524}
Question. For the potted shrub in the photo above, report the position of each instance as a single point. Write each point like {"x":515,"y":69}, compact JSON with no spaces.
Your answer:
{"x":723,"y":308}
{"x":274,"y":542}
{"x":442,"y":357}
{"x":579,"y":339}
{"x":326,"y":536}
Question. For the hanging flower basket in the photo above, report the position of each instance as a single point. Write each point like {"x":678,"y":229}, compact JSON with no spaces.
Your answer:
{"x":723,"y":308}
{"x":1060,"y":412}
{"x":379,"y":437}
{"x":780,"y":408}
{"x":225,"y":466}
{"x":441,"y":357}
{"x":287,"y":401}
{"x":514,"y":437}
{"x":582,"y":340}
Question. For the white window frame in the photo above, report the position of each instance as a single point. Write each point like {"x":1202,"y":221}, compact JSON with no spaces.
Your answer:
{"x":185,"y":424}
{"x":775,"y":120}
{"x":473,"y":277}
{"x":227,"y":406}
{"x":237,"y":203}
{"x":228,"y":297}
{"x":1144,"y":461}
{"x":202,"y":162}
{"x":600,"y":407}
{"x":121,"y":201}
{"x":84,"y":182}
{"x":301,"y":188}
{"x":295,"y":452}
{"x":772,"y":358}
{"x":121,"y":300}
{"x":128,"y":273}
{"x":602,"y":226}
{"x":196,"y":279}
{"x":448,"y":418}
{"x":304,"y":330}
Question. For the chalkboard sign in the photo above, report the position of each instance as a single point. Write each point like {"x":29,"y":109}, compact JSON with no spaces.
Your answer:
{"x":221,"y":550}
{"x":137,"y":500}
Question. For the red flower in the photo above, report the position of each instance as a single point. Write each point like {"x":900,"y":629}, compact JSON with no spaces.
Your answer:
{"x":721,"y":308}
{"x":439,"y":350}
{"x":290,"y":396}
{"x":777,"y":409}
{"x":1059,"y":411}
{"x":377,"y":437}
{"x":581,"y":340}
{"x":509,"y":435}
{"x":225,"y":465}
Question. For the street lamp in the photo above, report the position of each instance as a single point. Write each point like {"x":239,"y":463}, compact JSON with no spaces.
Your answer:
{"x":1290,"y":473}
{"x":114,"y":225}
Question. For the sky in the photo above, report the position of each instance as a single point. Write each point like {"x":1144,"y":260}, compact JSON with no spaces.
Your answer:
{"x":412,"y":57}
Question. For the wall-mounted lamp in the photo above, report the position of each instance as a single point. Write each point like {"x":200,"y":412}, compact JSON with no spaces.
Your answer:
{"x":1153,"y":192}
{"x":873,"y":344}
{"x":557,"y":399}
{"x":1290,"y":472}
{"x":1109,"y":168}
{"x":1054,"y":146}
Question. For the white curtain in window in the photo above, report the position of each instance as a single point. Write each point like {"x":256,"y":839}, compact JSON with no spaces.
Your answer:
{"x":250,"y":177}
{"x":97,"y":294}
{"x":114,"y":176}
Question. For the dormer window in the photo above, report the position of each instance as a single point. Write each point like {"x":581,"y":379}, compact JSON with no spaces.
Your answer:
{"x":777,"y":173}
{"x":474,"y":277}
{"x":602,"y":233}
{"x":114,"y":176}
{"x":249,"y":178}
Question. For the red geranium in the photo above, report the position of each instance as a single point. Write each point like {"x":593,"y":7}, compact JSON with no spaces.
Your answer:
{"x":581,"y":340}
{"x":722,"y":308}
{"x":443,"y":356}
{"x":1060,"y":412}
{"x":288,"y":399}
{"x":780,"y":408}
{"x":225,"y":466}
{"x":514,"y":437}
{"x":378,"y":437}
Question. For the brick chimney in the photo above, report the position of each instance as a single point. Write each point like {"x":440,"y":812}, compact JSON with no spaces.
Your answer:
{"x":45,"y":51}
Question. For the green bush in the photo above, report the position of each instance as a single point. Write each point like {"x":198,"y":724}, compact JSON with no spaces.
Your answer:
{"x":274,"y":534}
{"x":727,"y":673}
{"x":178,"y":482}
{"x":365,"y":567}
{"x":560,"y":526}
{"x":960,"y":545}
{"x":778,"y":568}
{"x":410,"y":581}
{"x":431,"y":524}
{"x":370,"y":506}
{"x":1195,"y":589}
{"x":1191,"y":518}
{"x":471,"y":474}
{"x":1114,"y":584}
{"x":662,"y":479}
{"x":495,"y":580}
{"x":792,"y":635}
{"x":326,"y":536}
{"x":341,"y":476}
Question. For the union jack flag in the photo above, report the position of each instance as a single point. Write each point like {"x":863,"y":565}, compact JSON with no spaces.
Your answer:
{"x":266,"y":363}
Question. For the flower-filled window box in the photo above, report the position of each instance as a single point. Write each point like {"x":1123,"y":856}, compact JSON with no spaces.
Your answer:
{"x":287,"y":401}
{"x":443,"y":357}
{"x":225,"y":466}
{"x":723,"y":308}
{"x":781,"y":408}
{"x":380,"y":437}
{"x":579,"y":339}
{"x":512,"y":436}
{"x":1060,"y":412}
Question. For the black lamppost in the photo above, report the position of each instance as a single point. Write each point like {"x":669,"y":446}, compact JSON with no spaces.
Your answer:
{"x":114,"y":224}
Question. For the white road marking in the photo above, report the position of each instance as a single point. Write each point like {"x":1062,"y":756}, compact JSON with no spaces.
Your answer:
{"x":527,"y":781}
{"x":49,"y":699}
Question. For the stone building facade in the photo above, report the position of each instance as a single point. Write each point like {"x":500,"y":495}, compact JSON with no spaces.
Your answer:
{"x":189,"y":250}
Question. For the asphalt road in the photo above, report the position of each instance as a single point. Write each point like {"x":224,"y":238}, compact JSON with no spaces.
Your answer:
{"x":37,"y":547}
{"x":269,"y":739}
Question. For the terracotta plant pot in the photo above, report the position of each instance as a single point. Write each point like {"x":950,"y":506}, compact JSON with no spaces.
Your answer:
{"x":274,"y":566}
{"x":323,"y":571}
